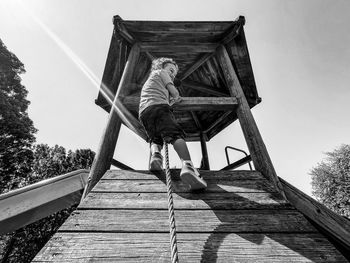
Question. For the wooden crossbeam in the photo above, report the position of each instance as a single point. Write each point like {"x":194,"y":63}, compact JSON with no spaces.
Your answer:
{"x":196,"y":65}
{"x":219,"y":120}
{"x":120,"y":165}
{"x":203,"y":88}
{"x":233,"y":32}
{"x":191,"y":103}
{"x":126,"y":35}
{"x":167,"y":47}
{"x":229,"y":36}
{"x":237,"y":164}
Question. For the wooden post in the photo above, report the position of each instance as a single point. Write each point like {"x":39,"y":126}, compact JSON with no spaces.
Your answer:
{"x":256,"y":146}
{"x":204,"y":153}
{"x":105,"y":152}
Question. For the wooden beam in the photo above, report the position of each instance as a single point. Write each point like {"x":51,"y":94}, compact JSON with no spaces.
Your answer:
{"x":193,"y":114}
{"x":191,"y":103}
{"x":203,"y":88}
{"x":331,"y":224}
{"x":226,"y":39}
{"x":205,"y":158}
{"x":257,"y":148}
{"x":121,"y":165}
{"x":234,"y":32}
{"x":128,"y":119}
{"x":196,"y":65}
{"x":110,"y":135}
{"x":166,"y":47}
{"x":219,"y":120}
{"x":237,"y":164}
{"x":120,"y":28}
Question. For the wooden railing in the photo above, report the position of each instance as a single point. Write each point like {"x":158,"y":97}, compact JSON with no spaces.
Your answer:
{"x":33,"y":202}
{"x":332,"y":225}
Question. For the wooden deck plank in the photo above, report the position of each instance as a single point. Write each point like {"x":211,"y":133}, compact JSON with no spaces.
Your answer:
{"x":239,"y":219}
{"x":202,"y":247}
{"x":187,"y":221}
{"x":190,"y":103}
{"x":219,"y":175}
{"x":178,"y":186}
{"x":184,"y":201}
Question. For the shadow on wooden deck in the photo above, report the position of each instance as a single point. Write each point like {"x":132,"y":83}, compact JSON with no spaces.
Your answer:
{"x":296,"y":235}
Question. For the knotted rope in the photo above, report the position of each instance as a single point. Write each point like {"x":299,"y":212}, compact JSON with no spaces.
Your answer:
{"x":173,"y":241}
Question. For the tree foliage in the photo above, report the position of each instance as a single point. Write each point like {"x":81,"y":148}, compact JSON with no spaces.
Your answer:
{"x":331,"y":180}
{"x":16,"y":128}
{"x":25,"y":243}
{"x":23,"y":163}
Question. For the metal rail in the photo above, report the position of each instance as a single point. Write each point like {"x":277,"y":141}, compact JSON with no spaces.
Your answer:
{"x":247,"y":159}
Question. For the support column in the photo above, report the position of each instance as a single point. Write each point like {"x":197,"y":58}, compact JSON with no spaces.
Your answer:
{"x":256,"y":146}
{"x":205,"y":158}
{"x":105,"y":152}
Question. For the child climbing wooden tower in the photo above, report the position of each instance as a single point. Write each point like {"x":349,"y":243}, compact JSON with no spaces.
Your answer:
{"x":215,"y":93}
{"x":243,"y":216}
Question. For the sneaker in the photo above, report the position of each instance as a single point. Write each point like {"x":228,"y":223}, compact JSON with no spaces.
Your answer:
{"x":156,"y":162}
{"x":191,"y":176}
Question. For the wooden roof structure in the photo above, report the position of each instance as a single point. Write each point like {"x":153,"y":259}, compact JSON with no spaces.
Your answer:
{"x":193,"y":46}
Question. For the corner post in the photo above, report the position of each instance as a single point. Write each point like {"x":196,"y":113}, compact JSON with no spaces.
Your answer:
{"x":257,"y":148}
{"x":104,"y":155}
{"x":205,"y":157}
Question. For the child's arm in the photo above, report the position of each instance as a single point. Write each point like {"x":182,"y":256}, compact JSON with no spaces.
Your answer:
{"x":172,"y":90}
{"x":169,"y":85}
{"x":174,"y":93}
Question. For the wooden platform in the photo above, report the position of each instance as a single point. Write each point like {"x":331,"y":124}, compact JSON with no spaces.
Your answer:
{"x":238,"y":219}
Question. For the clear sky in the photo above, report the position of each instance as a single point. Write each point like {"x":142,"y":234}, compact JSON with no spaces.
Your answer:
{"x":300,"y":54}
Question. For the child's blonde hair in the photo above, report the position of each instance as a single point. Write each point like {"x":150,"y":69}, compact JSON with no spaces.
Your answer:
{"x":159,"y":63}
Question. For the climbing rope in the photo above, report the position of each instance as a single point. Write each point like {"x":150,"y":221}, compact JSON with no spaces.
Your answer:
{"x":173,"y":242}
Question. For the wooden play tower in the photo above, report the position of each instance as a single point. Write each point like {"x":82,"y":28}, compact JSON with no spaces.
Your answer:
{"x":243,"y":216}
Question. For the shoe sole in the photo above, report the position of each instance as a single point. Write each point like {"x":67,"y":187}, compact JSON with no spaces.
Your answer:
{"x":156,"y":165}
{"x":195,"y":182}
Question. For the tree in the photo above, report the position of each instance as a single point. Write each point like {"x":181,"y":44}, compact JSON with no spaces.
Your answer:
{"x":331,"y":180}
{"x":25,"y":243}
{"x":22,"y":163}
{"x":16,"y":128}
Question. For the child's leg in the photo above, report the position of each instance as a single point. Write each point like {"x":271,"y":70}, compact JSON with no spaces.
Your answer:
{"x":180,"y":147}
{"x":155,"y":148}
{"x":156,"y":158}
{"x":188,"y":174}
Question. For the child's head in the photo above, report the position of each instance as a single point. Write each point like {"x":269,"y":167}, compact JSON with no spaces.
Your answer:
{"x":161,"y":63}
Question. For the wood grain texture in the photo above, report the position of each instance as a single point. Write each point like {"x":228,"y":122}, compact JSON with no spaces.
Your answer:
{"x":334,"y":225}
{"x":184,"y":201}
{"x":104,"y":154}
{"x":212,"y":226}
{"x":177,"y":26}
{"x":203,"y":88}
{"x":190,"y":103}
{"x":182,"y":47}
{"x":178,"y":186}
{"x":242,"y":221}
{"x":192,"y":45}
{"x":193,"y":248}
{"x":207,"y":175}
{"x":257,"y":148}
